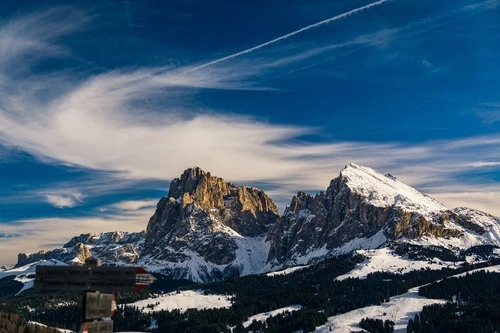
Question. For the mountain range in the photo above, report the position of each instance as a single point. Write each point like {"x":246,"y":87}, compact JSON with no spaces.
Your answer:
{"x":207,"y":229}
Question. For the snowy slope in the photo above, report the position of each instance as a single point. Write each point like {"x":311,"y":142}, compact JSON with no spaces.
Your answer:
{"x":387,"y":191}
{"x":288,"y":270}
{"x":61,"y":330}
{"x":385,"y":260}
{"x":26,"y":274}
{"x":400,"y":309}
{"x":183,"y":300}
{"x":262,"y":317}
{"x":251,"y":254}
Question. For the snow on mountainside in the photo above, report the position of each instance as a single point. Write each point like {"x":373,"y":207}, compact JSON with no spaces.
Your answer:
{"x":112,"y":248}
{"x":182,"y":301}
{"x":262,"y":317}
{"x":387,"y":191}
{"x":385,"y":260}
{"x":26,"y":274}
{"x":365,"y":209}
{"x":207,"y":229}
{"x":400,"y":309}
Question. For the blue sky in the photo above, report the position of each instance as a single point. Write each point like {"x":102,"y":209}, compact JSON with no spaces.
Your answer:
{"x":102,"y":103}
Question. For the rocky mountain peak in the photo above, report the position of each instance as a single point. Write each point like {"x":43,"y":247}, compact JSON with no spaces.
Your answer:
{"x":246,"y":210}
{"x":386,"y":190}
{"x":200,"y":187}
{"x":364,"y":208}
{"x":204,"y":216}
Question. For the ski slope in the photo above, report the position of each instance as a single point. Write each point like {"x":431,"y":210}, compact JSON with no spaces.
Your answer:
{"x":262,"y":317}
{"x":385,"y":260}
{"x":183,"y":300}
{"x":400,"y":309}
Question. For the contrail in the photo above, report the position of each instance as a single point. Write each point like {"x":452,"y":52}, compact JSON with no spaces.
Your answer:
{"x":331,"y":19}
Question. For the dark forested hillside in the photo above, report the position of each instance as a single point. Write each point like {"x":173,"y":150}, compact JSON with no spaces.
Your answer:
{"x":314,"y":288}
{"x":474,"y":305}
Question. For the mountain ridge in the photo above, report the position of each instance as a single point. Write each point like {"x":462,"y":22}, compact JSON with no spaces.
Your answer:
{"x":207,"y":229}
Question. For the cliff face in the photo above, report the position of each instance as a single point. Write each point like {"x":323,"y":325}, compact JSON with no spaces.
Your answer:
{"x":111,"y":247}
{"x":209,"y":221}
{"x":363,"y":208}
{"x":207,"y":229}
{"x":248,"y":211}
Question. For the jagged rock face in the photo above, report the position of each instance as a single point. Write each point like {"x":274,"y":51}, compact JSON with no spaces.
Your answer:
{"x":207,"y":229}
{"x":203,"y":217}
{"x":363,"y":205}
{"x":111,"y":247}
{"x":248,"y":211}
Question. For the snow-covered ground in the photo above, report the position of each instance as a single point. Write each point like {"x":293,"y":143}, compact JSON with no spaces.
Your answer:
{"x":288,"y":270}
{"x":251,"y":255}
{"x":400,"y":309}
{"x":26,"y":274}
{"x":183,"y":300}
{"x":263,"y":316}
{"x":385,"y":260}
{"x":387,"y":191}
{"x":62,"y":330}
{"x":495,"y":269}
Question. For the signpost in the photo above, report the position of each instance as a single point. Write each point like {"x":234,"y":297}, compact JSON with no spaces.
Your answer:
{"x":97,"y":326}
{"x":90,"y":278}
{"x":77,"y":278}
{"x":98,"y":305}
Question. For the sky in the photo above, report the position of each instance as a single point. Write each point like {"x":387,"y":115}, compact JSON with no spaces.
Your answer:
{"x":103,"y":103}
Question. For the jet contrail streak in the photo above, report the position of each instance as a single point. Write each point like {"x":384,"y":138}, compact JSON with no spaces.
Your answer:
{"x":331,"y":19}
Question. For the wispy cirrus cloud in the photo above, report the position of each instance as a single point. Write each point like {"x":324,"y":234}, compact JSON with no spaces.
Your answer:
{"x":108,"y":122}
{"x":489,"y":112}
{"x":64,"y":199}
{"x":30,"y":36}
{"x":141,"y":123}
{"x":130,"y":207}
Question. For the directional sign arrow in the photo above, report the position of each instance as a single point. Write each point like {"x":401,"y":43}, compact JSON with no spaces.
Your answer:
{"x":143,"y":279}
{"x":92,"y":278}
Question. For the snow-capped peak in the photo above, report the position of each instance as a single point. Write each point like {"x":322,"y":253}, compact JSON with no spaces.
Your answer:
{"x":386,"y":190}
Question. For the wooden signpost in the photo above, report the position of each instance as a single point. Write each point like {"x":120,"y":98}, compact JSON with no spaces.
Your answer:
{"x":92,"y":279}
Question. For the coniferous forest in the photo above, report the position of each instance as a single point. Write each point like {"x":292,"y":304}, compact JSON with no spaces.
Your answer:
{"x":473,"y":305}
{"x":315,"y":288}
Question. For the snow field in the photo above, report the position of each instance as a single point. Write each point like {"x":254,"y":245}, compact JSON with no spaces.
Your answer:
{"x":287,"y":271}
{"x":400,"y":309}
{"x":385,"y":260}
{"x":183,"y":300}
{"x":386,"y":191}
{"x":262,"y":317}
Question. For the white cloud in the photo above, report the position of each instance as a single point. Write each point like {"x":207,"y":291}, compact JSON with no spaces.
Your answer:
{"x":65,"y":199}
{"x":113,"y":121}
{"x":101,"y":123}
{"x":479,"y":196}
{"x":483,"y":164}
{"x":490,"y":113}
{"x":131,"y":206}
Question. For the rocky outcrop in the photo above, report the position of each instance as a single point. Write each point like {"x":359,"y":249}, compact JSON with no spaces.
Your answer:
{"x":246,"y":210}
{"x":207,"y":228}
{"x":206,"y":219}
{"x":362,"y":208}
{"x":111,"y":247}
